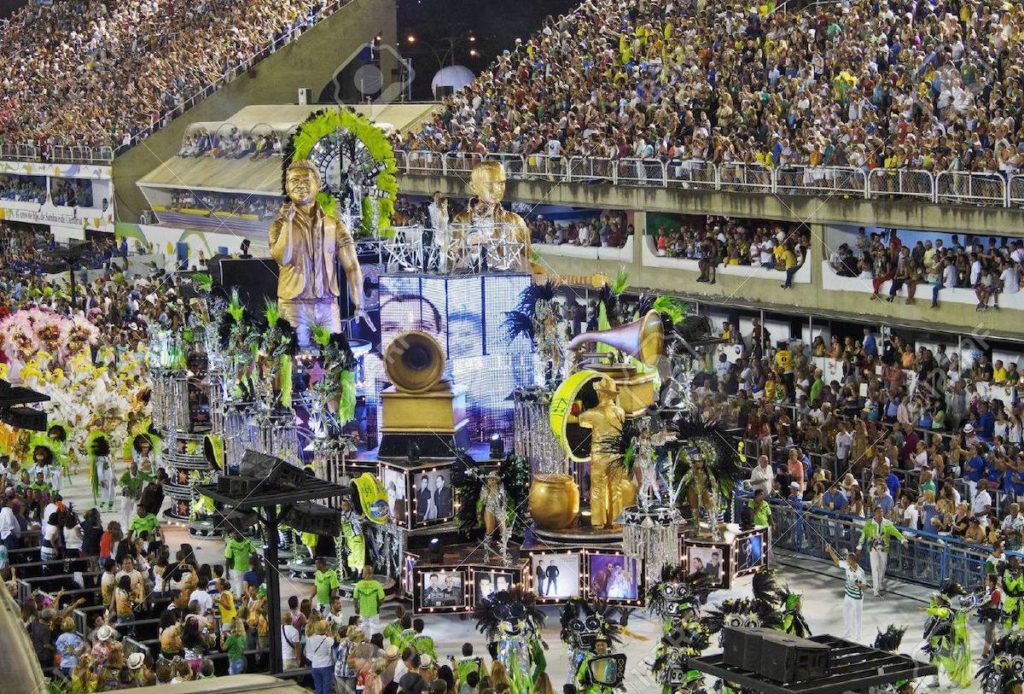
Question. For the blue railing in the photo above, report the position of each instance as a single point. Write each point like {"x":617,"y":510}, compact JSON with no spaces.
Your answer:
{"x":928,"y":558}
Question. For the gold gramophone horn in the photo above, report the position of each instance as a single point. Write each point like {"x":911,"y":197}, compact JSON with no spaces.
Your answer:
{"x":643,"y":339}
{"x":414,"y":362}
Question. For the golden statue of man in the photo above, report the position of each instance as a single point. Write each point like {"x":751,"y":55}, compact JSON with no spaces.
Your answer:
{"x":308,"y":245}
{"x":607,"y":476}
{"x":488,"y":219}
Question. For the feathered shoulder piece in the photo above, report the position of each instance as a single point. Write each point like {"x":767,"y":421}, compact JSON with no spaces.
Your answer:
{"x":509,"y":613}
{"x":951,"y":589}
{"x":42,"y":441}
{"x":678,"y":587}
{"x":520,"y":321}
{"x":97,"y":444}
{"x":890,"y":639}
{"x":61,"y":429}
{"x":768,"y":588}
{"x":717,"y":447}
{"x":582,"y":621}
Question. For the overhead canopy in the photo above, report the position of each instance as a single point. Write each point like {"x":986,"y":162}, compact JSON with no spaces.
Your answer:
{"x":263,"y":175}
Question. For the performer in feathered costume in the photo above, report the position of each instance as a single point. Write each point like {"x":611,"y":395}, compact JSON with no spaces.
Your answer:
{"x":706,"y":469}
{"x":1013,"y":594}
{"x":46,"y":453}
{"x":1003,"y":672}
{"x":336,"y":389}
{"x":536,"y":317}
{"x":768,"y":590}
{"x":489,"y":502}
{"x":512,"y":624}
{"x":677,"y":599}
{"x":143,"y":448}
{"x":59,"y":433}
{"x":945,"y":632}
{"x":353,"y":541}
{"x":584,"y":622}
{"x":101,"y":469}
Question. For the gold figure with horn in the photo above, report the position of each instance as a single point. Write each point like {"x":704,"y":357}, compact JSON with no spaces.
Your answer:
{"x":606,"y":471}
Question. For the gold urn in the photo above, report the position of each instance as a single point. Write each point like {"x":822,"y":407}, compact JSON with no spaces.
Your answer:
{"x":554,"y":501}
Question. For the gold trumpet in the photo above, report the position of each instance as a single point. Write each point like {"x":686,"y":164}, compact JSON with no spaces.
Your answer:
{"x":643,"y":339}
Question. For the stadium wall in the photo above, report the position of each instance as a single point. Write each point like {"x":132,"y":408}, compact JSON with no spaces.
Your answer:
{"x":831,"y":295}
{"x":836,"y":209}
{"x":311,"y":61}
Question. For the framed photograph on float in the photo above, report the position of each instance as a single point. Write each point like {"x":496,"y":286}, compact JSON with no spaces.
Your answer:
{"x":613,"y":577}
{"x":419,"y":497}
{"x":440,"y":590}
{"x":554,"y":574}
{"x":487,"y":580}
{"x":709,"y":558}
{"x":750,"y":551}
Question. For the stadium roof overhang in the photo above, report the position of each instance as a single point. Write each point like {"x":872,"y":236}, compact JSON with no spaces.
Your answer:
{"x":263,"y":175}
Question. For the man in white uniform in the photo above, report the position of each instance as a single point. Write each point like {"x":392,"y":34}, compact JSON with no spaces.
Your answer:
{"x":853,"y":600}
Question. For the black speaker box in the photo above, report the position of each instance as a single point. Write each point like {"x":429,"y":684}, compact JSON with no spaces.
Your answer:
{"x":273,"y":471}
{"x":307,"y":517}
{"x":742,"y":648}
{"x":787,"y":659}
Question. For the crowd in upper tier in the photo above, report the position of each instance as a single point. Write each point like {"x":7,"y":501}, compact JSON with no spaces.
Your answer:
{"x":887,"y":83}
{"x":95,"y":74}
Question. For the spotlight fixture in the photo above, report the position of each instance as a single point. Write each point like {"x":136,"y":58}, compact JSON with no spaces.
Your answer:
{"x":497,"y":446}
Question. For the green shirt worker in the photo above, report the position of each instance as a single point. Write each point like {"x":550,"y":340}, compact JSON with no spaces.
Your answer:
{"x":876,"y":537}
{"x":368,"y":595}
{"x":326,"y":584}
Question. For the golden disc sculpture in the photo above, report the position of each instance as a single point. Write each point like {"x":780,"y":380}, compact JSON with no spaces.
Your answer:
{"x":420,"y":408}
{"x":414,"y":362}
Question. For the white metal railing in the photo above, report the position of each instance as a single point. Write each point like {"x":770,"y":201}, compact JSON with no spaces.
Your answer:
{"x":812,"y":180}
{"x":640,"y":172}
{"x":590,"y":170}
{"x":545,"y":166}
{"x":956,"y":187}
{"x":738,"y":176}
{"x":978,"y":188}
{"x":901,"y":183}
{"x":692,"y":174}
{"x":1015,"y":193}
{"x":57,"y":154}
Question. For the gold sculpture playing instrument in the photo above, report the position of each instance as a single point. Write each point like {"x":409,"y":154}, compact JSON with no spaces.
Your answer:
{"x":643,"y":339}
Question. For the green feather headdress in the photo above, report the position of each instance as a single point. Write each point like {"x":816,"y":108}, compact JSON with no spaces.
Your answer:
{"x":272,"y":313}
{"x":235,"y":308}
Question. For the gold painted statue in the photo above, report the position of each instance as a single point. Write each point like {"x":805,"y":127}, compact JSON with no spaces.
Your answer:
{"x":308,"y":244}
{"x":608,"y":482}
{"x":487,"y":220}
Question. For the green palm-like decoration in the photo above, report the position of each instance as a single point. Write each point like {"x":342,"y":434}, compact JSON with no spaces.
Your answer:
{"x":323,"y":123}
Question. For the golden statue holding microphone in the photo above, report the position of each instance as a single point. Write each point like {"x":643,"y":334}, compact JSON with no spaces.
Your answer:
{"x":308,"y":245}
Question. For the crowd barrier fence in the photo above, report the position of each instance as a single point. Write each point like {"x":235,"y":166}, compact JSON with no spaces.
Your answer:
{"x":987,"y":189}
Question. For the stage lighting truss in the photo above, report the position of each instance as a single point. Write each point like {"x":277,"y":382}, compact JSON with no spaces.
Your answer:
{"x":465,"y":249}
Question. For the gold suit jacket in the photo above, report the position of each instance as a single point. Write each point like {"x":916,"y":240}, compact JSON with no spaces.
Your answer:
{"x":299,"y":257}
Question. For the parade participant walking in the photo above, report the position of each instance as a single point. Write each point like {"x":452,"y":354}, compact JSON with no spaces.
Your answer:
{"x":876,"y":537}
{"x":853,"y":600}
{"x":131,"y":483}
{"x":238,"y":552}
